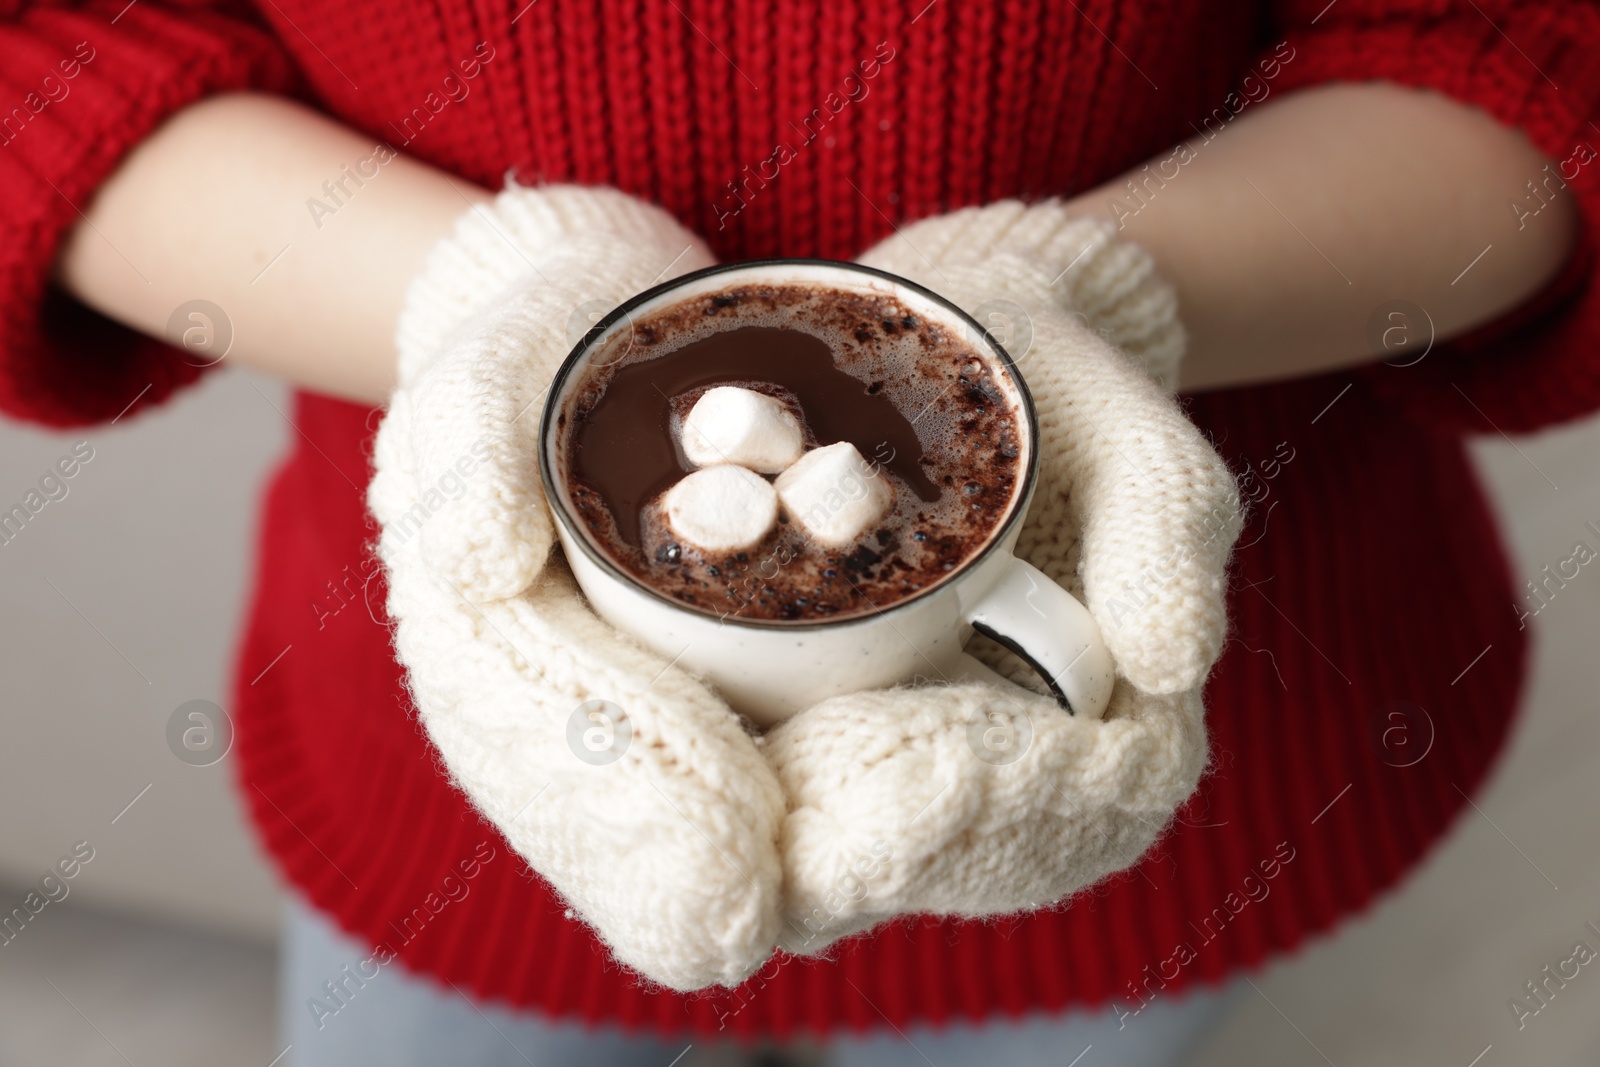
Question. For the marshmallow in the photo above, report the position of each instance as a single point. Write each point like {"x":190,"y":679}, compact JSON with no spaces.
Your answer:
{"x":733,"y":425}
{"x":833,"y":495}
{"x":721,"y":509}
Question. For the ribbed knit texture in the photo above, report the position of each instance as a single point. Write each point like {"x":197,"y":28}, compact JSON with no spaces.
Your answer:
{"x":1368,"y":580}
{"x":59,"y":139}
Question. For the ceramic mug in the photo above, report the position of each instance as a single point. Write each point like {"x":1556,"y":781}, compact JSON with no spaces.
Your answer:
{"x":770,"y":669}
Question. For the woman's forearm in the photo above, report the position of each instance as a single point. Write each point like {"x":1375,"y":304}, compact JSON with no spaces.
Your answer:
{"x":1283,"y":234}
{"x":1294,"y":224}
{"x":298,"y":228}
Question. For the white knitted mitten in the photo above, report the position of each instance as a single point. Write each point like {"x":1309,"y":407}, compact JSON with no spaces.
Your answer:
{"x":1111,"y":286}
{"x":624,"y":781}
{"x":975,"y":800}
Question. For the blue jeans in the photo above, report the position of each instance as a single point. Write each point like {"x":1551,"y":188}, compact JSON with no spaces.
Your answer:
{"x":398,"y":1019}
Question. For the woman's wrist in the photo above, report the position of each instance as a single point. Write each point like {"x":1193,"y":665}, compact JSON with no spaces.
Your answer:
{"x":1291,"y":227}
{"x":303,"y":232}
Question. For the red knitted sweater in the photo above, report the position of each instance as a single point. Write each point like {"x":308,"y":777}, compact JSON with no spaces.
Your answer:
{"x":1377,"y":653}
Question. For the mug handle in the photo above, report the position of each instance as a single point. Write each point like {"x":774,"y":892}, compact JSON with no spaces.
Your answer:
{"x":1047,"y":627}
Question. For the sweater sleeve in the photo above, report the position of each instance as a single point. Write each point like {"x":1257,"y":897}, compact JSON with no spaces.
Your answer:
{"x":1530,"y":65}
{"x":80,"y":85}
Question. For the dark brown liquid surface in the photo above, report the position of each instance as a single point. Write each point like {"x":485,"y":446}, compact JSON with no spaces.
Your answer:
{"x":910,"y":394}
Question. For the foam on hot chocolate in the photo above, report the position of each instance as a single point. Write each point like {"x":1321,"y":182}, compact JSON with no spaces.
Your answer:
{"x":927,"y":416}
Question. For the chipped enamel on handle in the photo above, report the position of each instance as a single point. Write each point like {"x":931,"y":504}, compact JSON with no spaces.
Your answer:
{"x":1046,"y":625}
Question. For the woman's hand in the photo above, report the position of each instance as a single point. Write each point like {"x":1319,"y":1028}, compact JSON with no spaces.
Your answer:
{"x":973,"y":799}
{"x":620,"y":778}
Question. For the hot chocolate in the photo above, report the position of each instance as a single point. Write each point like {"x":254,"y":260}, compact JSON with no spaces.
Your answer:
{"x":933,"y":465}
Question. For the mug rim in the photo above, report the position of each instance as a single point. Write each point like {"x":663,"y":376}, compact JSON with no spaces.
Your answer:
{"x":558,"y":505}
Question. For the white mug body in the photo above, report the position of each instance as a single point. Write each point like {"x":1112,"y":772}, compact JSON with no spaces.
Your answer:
{"x":769,"y":673}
